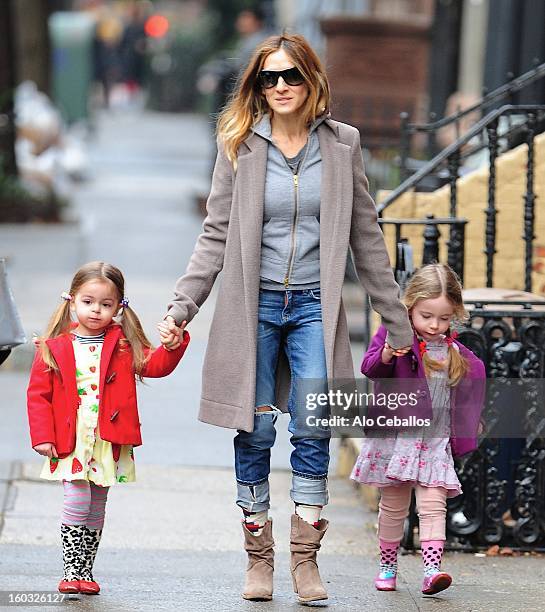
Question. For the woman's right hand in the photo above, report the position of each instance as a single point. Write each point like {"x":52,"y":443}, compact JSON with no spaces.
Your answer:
{"x":46,"y":449}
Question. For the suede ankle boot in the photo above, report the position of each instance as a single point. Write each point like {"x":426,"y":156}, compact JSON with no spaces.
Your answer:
{"x":304,"y":546}
{"x":259,"y":573}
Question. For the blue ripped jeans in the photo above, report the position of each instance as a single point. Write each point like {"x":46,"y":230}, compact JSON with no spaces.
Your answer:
{"x":290,"y":321}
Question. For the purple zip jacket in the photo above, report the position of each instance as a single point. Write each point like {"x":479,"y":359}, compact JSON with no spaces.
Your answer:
{"x":467,"y":398}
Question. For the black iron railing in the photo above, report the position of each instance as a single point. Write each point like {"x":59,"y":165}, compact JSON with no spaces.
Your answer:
{"x":452,"y":157}
{"x":431,"y":236}
{"x":505,"y":93}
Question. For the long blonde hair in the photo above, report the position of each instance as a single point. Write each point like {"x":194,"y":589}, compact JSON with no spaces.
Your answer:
{"x":247,"y":104}
{"x":130,"y":324}
{"x":429,"y":282}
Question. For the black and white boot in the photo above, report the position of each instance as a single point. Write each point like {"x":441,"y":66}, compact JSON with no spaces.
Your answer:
{"x":71,"y":538}
{"x":89,"y":547}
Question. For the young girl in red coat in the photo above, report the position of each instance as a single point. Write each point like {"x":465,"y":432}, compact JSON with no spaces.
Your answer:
{"x":82,"y":406}
{"x":450,"y":382}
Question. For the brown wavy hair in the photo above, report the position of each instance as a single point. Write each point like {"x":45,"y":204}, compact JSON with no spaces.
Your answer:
{"x":247,"y":104}
{"x":130,"y":323}
{"x":429,"y":282}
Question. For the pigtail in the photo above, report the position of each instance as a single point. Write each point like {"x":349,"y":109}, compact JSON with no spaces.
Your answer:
{"x":59,"y":324}
{"x":458,"y":365}
{"x":431,"y":364}
{"x":136,"y":338}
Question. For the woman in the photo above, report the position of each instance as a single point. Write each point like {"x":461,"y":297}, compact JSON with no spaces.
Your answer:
{"x":288,"y":198}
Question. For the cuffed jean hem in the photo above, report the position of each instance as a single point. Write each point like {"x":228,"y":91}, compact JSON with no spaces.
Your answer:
{"x":311,"y":490}
{"x":253,"y":497}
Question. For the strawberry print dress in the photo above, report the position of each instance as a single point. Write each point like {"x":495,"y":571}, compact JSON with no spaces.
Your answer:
{"x":422,"y":455}
{"x":92,"y":459}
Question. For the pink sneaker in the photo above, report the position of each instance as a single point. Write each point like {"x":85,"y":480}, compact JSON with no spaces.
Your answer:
{"x":386,"y":581}
{"x":436,"y":583}
{"x":386,"y":577}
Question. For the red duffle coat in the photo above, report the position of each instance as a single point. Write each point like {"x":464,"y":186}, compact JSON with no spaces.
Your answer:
{"x":53,"y":401}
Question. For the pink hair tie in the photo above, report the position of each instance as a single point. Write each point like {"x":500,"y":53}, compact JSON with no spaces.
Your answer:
{"x":66,"y":296}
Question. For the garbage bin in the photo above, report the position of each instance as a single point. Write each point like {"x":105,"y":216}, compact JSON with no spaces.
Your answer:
{"x":71,"y":35}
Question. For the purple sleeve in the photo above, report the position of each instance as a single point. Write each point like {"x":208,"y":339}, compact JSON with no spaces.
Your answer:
{"x":372,"y":365}
{"x":470,"y":399}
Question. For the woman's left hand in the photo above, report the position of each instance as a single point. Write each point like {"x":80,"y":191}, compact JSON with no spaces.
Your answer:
{"x":399,"y":352}
{"x":171,"y":334}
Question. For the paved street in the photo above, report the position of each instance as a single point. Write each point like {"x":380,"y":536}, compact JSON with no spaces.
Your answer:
{"x":172,"y":540}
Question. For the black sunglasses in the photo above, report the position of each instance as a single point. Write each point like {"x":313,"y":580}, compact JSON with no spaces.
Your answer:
{"x":291,"y":76}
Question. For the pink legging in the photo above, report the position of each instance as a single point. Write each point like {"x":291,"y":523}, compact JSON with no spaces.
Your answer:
{"x":84,"y":503}
{"x":431,"y":503}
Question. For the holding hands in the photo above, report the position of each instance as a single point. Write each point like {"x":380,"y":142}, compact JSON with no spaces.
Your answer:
{"x":388,"y":352}
{"x":171,"y":334}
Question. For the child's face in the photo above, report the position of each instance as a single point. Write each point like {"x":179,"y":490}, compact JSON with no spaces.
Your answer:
{"x":432,"y":317}
{"x":95,"y":304}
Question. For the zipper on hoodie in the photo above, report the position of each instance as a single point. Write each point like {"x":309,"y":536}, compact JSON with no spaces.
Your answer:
{"x":293,"y":234}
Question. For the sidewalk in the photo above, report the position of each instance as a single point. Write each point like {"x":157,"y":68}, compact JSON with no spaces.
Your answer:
{"x":159,"y":552}
{"x":172,"y":540}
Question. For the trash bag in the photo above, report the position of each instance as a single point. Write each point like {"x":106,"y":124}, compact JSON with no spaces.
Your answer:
{"x":11,"y":329}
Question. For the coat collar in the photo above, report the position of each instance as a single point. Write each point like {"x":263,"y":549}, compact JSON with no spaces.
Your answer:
{"x":63,"y":353}
{"x":112,"y":331}
{"x":260,"y":133}
{"x":263,"y":127}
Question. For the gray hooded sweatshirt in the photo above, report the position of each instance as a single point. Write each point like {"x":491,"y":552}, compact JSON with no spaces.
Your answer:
{"x":290,"y":243}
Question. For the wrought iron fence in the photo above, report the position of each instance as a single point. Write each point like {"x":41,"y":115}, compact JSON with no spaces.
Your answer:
{"x":451,"y":158}
{"x":527,"y":84}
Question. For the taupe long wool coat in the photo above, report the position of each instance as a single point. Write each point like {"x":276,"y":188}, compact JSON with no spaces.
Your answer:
{"x":231,"y":242}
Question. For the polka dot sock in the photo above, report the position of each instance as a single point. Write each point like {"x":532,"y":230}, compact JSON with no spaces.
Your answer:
{"x":388,"y":559}
{"x":255,"y":521}
{"x":432,"y":553}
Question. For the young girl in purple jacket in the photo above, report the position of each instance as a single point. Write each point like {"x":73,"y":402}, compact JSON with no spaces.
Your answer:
{"x":451,"y":382}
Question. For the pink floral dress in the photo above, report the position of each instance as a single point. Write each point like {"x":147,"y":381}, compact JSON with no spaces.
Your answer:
{"x":419,"y":456}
